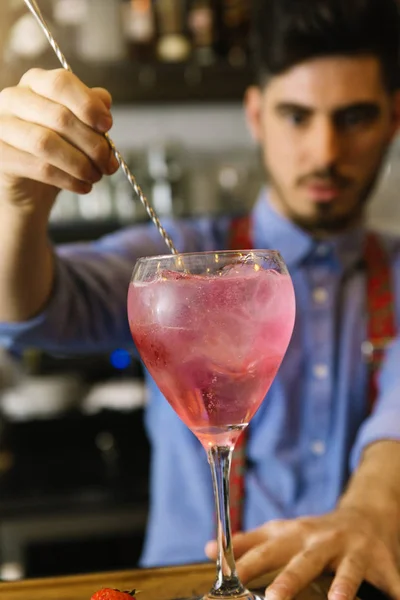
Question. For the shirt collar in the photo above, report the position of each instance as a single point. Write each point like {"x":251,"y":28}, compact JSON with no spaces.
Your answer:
{"x":273,"y":230}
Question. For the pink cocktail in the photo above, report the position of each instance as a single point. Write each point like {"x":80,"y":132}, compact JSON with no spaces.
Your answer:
{"x":213,"y":343}
{"x":212,"y":329}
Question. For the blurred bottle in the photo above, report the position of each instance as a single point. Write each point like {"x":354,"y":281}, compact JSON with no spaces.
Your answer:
{"x":66,"y":209}
{"x":21,"y":36}
{"x":139,"y":28}
{"x":128,"y":207}
{"x":68,"y":15}
{"x":6,"y":21}
{"x":101,"y":36}
{"x":98,"y":204}
{"x":124,"y":201}
{"x":173,"y":41}
{"x":168,"y":179}
{"x":234,"y":26}
{"x":202,"y":26}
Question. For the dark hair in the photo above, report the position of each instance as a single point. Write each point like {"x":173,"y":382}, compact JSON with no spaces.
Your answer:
{"x":287,"y":32}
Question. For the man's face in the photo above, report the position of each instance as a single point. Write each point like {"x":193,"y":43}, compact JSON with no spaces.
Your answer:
{"x":324,"y":127}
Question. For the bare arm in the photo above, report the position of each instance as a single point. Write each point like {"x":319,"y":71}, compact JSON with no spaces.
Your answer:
{"x":26,"y":264}
{"x":50,"y":139}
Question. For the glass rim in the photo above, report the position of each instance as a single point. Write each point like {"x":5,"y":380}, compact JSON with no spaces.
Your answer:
{"x":159,"y":257}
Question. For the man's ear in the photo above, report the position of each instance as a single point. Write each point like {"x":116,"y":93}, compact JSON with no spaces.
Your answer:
{"x":253,"y":110}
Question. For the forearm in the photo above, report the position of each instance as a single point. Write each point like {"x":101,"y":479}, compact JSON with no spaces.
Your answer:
{"x":374,"y":488}
{"x":26,"y":264}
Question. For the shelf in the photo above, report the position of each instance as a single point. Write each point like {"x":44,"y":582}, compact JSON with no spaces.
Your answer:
{"x":130,"y":82}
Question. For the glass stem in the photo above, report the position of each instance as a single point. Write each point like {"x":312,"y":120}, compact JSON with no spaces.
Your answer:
{"x":227,"y":582}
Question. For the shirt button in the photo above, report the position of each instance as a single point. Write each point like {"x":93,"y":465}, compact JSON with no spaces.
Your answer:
{"x":320,"y":295}
{"x":318,"y":448}
{"x":321,"y":371}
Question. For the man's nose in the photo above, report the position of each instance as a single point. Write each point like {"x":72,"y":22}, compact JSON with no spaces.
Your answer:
{"x":326,"y":143}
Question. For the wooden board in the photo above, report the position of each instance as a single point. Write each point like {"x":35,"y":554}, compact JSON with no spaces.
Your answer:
{"x":155,"y":584}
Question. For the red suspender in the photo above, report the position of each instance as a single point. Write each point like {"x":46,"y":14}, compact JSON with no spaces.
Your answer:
{"x":381,"y":308}
{"x":381,"y":328}
{"x":240,"y":239}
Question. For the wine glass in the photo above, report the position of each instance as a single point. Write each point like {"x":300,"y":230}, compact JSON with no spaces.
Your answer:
{"x":212,"y":329}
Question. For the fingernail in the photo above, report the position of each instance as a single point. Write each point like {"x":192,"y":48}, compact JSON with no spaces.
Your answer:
{"x":113,"y":165}
{"x":108,"y":101}
{"x":105,"y":123}
{"x":338,"y":594}
{"x":85,"y":187}
{"x":274,"y":594}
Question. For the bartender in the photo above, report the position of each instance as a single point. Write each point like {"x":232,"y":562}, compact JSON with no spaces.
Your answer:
{"x":322,"y":485}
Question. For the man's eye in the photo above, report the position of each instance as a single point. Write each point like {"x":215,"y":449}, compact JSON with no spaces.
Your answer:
{"x":352,"y":118}
{"x":297,"y":118}
{"x":356,"y":118}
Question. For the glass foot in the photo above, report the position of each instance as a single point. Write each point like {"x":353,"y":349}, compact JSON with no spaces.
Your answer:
{"x":247,"y":595}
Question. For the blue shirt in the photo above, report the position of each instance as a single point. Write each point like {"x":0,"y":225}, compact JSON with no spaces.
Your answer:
{"x":305,"y":440}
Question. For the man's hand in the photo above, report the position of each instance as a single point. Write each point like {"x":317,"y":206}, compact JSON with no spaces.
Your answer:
{"x":346,"y":541}
{"x":51,"y":138}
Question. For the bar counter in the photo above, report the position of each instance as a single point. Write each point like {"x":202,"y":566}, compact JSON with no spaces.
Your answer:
{"x":154,"y":584}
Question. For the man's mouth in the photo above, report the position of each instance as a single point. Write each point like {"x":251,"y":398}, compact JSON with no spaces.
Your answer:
{"x":323,"y":192}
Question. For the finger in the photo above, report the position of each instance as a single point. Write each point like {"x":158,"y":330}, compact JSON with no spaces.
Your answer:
{"x":242,"y":542}
{"x":33,"y":108}
{"x":386,"y":578}
{"x":299,"y":572}
{"x":65,"y":88}
{"x":266,"y":557}
{"x":391,"y":583}
{"x":17,"y":163}
{"x":349,"y":576}
{"x":104,"y":95}
{"x":48,"y":147}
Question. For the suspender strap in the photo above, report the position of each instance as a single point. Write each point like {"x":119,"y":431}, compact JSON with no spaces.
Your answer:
{"x":239,"y":239}
{"x":381,"y":309}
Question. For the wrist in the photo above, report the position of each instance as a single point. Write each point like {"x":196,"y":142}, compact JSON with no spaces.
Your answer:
{"x":369,"y":507}
{"x":25,"y":199}
{"x":24,"y":220}
{"x":374,"y":500}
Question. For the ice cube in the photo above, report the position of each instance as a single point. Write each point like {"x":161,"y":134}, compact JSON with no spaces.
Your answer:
{"x":239,"y":268}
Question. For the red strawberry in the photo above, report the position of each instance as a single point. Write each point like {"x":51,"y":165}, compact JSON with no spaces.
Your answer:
{"x":111,"y":594}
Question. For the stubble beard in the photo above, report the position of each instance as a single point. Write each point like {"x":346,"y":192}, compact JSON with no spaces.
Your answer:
{"x":325,"y":222}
